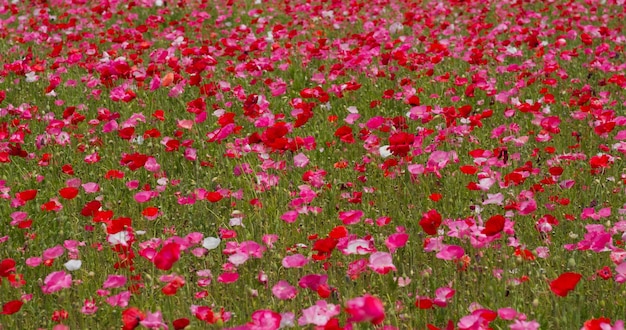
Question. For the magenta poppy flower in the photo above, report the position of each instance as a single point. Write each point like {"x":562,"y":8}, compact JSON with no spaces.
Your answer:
{"x":56,"y":281}
{"x":366,"y":309}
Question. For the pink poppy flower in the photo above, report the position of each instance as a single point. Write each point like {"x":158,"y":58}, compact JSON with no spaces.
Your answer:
{"x":227,"y":278}
{"x":153,"y":321}
{"x":119,"y":300}
{"x":350,"y":217}
{"x":53,"y":252}
{"x":114,"y":281}
{"x":89,"y":307}
{"x":396,"y":241}
{"x":295,"y":261}
{"x":56,"y":281}
{"x":381,"y":262}
{"x":283,"y":290}
{"x":319,"y":314}
{"x":312,"y":281}
{"x":264,"y":320}
{"x":451,"y":252}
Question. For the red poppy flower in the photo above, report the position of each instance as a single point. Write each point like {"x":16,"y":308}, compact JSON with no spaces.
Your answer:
{"x":11,"y":307}
{"x":214,"y":196}
{"x":430,"y":222}
{"x":131,"y":318}
{"x":435,"y":197}
{"x":344,"y":133}
{"x":172,"y":287}
{"x":605,"y":273}
{"x":325,"y":245}
{"x":26,"y":195}
{"x":114,"y":174}
{"x":126,"y":133}
{"x":150,"y":211}
{"x":7,"y":267}
{"x":565,"y":283}
{"x":324,"y":291}
{"x":424,"y":303}
{"x":602,"y":161}
{"x":180,"y":324}
{"x":118,"y":225}
{"x":68,"y":192}
{"x":597,"y":324}
{"x":338,"y":232}
{"x":400,"y":143}
{"x":67,"y":169}
{"x":159,"y":115}
{"x":494,"y":225}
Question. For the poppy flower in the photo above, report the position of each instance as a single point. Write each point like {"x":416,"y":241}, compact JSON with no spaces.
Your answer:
{"x":565,"y":283}
{"x":68,"y":192}
{"x":400,"y":143}
{"x":7,"y":267}
{"x":344,"y":133}
{"x":430,"y":222}
{"x":366,"y":309}
{"x":26,"y":195}
{"x":11,"y":307}
{"x":494,"y":225}
{"x":214,"y":196}
{"x":169,"y":254}
{"x":131,"y":317}
{"x":181,"y":323}
{"x":424,"y":303}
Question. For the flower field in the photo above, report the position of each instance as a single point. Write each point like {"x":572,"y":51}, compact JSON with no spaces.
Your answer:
{"x":312,"y":164}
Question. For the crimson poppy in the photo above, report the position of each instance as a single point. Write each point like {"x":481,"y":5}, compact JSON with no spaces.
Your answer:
{"x":400,"y":143}
{"x":565,"y":283}
{"x":7,"y":267}
{"x":131,"y":318}
{"x":181,"y":323}
{"x":68,"y":192}
{"x":26,"y":195}
{"x":430,"y":222}
{"x":169,"y":254}
{"x":494,"y":225}
{"x":11,"y":307}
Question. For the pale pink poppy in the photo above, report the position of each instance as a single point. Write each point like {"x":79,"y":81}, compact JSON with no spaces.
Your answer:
{"x":295,"y":261}
{"x":443,"y":295}
{"x":526,"y":325}
{"x":53,"y":252}
{"x":283,"y":290}
{"x":154,"y":321}
{"x":507,"y":313}
{"x":300,"y":160}
{"x":381,"y":262}
{"x":33,"y":261}
{"x":269,"y":240}
{"x":319,"y":314}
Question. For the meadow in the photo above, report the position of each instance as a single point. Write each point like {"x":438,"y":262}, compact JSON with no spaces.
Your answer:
{"x":312,"y":164}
